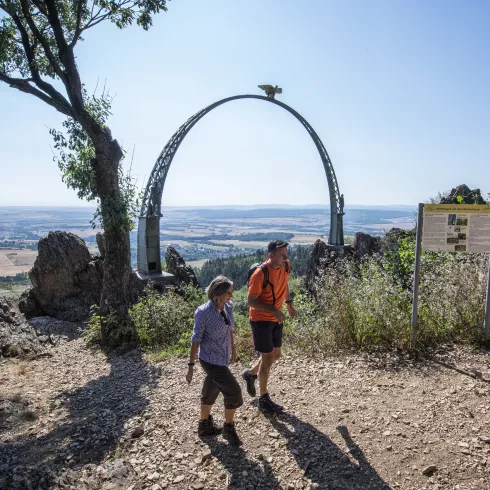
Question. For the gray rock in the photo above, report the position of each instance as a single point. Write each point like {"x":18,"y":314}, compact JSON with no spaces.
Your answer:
{"x":428,"y":470}
{"x":66,"y":281}
{"x":366,"y":245}
{"x":321,"y":257}
{"x":206,"y":455}
{"x":463,"y":191}
{"x":17,"y":337}
{"x":138,"y":432}
{"x":176,"y":265}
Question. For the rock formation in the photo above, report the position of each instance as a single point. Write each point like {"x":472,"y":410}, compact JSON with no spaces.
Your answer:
{"x":184,"y":274}
{"x":17,"y":338}
{"x":66,"y":280}
{"x":469,"y":196}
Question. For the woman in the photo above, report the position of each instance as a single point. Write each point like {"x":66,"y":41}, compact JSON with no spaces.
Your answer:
{"x":212,"y":336}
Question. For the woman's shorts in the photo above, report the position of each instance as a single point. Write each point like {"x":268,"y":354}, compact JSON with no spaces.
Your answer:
{"x":220,"y":379}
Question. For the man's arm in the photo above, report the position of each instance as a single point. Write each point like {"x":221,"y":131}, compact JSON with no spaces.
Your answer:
{"x":254,"y":302}
{"x":289,"y":304}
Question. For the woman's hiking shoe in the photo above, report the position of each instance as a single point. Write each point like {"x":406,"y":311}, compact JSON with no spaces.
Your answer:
{"x":267,"y":405}
{"x":250,"y":382}
{"x":229,"y":433}
{"x":207,"y":428}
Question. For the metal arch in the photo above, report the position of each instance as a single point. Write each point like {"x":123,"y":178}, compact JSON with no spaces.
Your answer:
{"x":149,"y":225}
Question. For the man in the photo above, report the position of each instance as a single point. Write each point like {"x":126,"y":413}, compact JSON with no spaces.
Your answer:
{"x":267,"y":318}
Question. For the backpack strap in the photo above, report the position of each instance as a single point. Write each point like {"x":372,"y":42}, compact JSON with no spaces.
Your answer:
{"x":265,"y":271}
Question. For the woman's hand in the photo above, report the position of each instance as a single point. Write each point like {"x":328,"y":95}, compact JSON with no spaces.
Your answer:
{"x":189,"y":374}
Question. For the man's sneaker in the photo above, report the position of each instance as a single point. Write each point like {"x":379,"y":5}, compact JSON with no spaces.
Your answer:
{"x":229,"y":433}
{"x":207,"y":428}
{"x":250,"y":381}
{"x":266,"y":404}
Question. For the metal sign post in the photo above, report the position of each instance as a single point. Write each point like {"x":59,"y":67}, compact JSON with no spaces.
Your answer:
{"x":416,"y":275}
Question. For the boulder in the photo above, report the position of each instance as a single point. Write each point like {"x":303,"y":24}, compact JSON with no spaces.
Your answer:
{"x":316,"y":256}
{"x":66,"y":281}
{"x":17,"y":338}
{"x":184,"y":274}
{"x":463,"y":192}
{"x":321,"y":257}
{"x":365,"y":244}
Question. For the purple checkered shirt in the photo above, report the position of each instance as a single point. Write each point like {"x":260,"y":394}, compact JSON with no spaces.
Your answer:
{"x":213,"y":333}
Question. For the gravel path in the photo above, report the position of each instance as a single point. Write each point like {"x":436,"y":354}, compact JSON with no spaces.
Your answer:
{"x":82,"y":420}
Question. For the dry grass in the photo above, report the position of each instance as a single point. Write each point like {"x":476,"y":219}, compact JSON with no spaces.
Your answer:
{"x":13,"y":261}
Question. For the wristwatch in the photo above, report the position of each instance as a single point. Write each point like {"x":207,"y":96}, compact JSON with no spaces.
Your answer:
{"x":289,"y":301}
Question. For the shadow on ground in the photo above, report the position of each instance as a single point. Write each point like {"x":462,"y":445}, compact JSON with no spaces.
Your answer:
{"x":92,"y":428}
{"x":245,"y":473}
{"x":322,"y":461}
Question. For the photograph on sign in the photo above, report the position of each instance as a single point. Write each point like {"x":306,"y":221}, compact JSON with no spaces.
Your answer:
{"x":456,"y":230}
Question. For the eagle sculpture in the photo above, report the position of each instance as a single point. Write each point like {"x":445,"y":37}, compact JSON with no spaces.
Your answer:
{"x":271,"y":91}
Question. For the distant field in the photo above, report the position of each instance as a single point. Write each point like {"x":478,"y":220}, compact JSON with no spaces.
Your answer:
{"x":13,"y":293}
{"x":196,"y":264}
{"x":14,"y":262}
{"x":305,"y":239}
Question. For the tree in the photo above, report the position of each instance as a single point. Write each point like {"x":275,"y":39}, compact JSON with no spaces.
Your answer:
{"x":37,"y":43}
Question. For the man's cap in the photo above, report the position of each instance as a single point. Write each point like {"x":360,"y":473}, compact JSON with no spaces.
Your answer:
{"x":275,"y":244}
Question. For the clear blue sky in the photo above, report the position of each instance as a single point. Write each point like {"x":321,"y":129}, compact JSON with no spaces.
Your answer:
{"x":398,"y":92}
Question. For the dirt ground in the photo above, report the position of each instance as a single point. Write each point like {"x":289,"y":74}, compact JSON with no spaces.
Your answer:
{"x":357,"y":422}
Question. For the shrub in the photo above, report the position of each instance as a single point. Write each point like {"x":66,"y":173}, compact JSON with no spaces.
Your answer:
{"x":363,"y":305}
{"x":160,"y":321}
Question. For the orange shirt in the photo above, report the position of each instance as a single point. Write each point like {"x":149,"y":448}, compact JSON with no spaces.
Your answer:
{"x":278,"y":277}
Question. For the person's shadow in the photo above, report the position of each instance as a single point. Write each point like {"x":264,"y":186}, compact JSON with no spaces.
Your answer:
{"x":94,"y":424}
{"x":322,"y":461}
{"x":244,"y":473}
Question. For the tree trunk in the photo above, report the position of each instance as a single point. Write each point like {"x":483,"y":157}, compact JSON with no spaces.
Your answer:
{"x":117,"y":261}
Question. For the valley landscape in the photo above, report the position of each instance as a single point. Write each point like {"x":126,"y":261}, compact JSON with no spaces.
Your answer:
{"x":199,"y":234}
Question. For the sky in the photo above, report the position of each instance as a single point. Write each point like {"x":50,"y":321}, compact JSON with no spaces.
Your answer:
{"x":397,"y":91}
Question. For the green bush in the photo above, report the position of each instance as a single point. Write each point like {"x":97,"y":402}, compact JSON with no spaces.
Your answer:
{"x":160,"y":321}
{"x":363,"y":305}
{"x":452,"y":298}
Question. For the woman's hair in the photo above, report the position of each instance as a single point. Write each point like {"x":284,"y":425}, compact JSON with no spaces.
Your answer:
{"x":217,"y":287}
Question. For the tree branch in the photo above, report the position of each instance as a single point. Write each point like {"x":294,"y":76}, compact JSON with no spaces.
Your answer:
{"x":72,"y":81}
{"x":78,"y":29}
{"x":23,"y":85}
{"x":97,"y":18}
{"x":44,"y":86}
{"x":42,"y":40}
{"x":40,"y":7}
